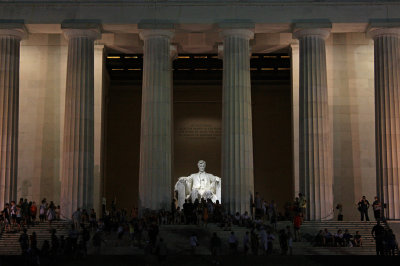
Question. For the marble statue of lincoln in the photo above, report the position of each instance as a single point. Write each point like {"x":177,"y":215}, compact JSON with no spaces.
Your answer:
{"x":198,"y":185}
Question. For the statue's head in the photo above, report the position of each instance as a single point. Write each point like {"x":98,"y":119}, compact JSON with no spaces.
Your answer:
{"x":201,"y":165}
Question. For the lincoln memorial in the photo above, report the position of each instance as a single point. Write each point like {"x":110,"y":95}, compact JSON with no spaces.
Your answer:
{"x":107,"y":101}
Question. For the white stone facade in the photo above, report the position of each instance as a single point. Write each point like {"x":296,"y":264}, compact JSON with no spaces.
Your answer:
{"x":197,"y":25}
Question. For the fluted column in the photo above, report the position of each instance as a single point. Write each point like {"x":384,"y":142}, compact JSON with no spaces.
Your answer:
{"x":315,"y":166}
{"x":387,"y":117}
{"x":78,"y":147}
{"x":156,"y":122}
{"x":237,"y":135}
{"x":9,"y":103}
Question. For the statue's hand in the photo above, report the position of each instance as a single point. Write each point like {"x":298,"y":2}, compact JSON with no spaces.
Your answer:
{"x":182,"y":180}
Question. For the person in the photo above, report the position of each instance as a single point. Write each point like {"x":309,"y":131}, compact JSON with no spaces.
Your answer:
{"x":233,"y":242}
{"x":92,"y":220}
{"x":254,"y":242}
{"x":120,"y":231}
{"x":33,"y":241}
{"x":302,"y":204}
{"x":283,"y":241}
{"x":215,"y":247}
{"x":339,"y":207}
{"x":178,"y":216}
{"x":258,"y":205}
{"x":24,"y":241}
{"x":13,"y":212}
{"x":347,"y":238}
{"x":51,"y":214}
{"x":246,"y":243}
{"x":161,"y":250}
{"x":270,"y":241}
{"x":237,"y":219}
{"x":97,"y":240}
{"x":319,"y":239}
{"x":357,"y":239}
{"x":290,"y":239}
{"x":263,"y":239}
{"x":245,"y":219}
{"x":33,"y":212}
{"x":363,"y":206}
{"x":378,"y":232}
{"x":42,"y":210}
{"x":173,"y":207}
{"x":6,"y":214}
{"x":377,"y":208}
{"x":391,"y":243}
{"x":18,"y":218}
{"x":205,"y":216}
{"x":339,"y":238}
{"x":55,"y":244}
{"x":193,"y":243}
{"x":328,"y":237}
{"x":58,"y":212}
{"x":76,"y":218}
{"x":296,"y":226}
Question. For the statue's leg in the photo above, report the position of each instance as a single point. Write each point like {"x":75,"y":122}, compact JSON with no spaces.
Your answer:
{"x":207,"y":194}
{"x":194,"y":194}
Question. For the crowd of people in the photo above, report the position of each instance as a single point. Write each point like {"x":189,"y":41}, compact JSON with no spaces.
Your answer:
{"x":15,"y":216}
{"x":142,"y":229}
{"x":385,"y":239}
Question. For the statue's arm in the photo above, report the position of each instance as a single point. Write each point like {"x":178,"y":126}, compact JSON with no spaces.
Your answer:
{"x":215,"y":179}
{"x":182,"y":179}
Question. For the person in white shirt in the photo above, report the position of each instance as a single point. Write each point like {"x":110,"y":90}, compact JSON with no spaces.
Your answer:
{"x":270,"y":239}
{"x":263,"y":239}
{"x":233,"y":242}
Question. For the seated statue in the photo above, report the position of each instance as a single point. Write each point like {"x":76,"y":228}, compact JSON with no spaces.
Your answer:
{"x":199,"y":185}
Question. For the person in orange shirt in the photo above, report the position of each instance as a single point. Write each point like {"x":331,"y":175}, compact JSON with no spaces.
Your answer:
{"x":297,"y":221}
{"x":33,"y":212}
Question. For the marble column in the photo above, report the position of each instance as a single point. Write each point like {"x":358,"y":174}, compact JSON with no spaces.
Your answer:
{"x":387,"y":117}
{"x":237,"y":136}
{"x":156,"y":123}
{"x":78,"y":147}
{"x":315,"y":158}
{"x":10,"y":38}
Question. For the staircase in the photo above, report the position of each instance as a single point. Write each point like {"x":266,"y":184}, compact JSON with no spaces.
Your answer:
{"x":9,"y":244}
{"x":178,"y":238}
{"x":312,"y":228}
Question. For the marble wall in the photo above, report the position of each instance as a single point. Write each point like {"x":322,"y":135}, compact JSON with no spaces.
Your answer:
{"x":350,"y":71}
{"x":350,"y":74}
{"x":41,"y":118}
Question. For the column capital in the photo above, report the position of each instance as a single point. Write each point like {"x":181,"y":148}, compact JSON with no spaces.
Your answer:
{"x":243,"y":33}
{"x":13,"y":29}
{"x":319,"y":32}
{"x":378,"y":29}
{"x":76,"y":30}
{"x":322,"y":29}
{"x":154,"y":33}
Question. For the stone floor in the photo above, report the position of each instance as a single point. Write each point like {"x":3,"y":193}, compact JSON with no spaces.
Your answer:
{"x":199,"y":260}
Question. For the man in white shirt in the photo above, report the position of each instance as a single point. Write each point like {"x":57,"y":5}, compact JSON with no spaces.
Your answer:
{"x":233,"y":242}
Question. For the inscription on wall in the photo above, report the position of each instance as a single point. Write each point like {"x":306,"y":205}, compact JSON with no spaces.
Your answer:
{"x":199,"y":131}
